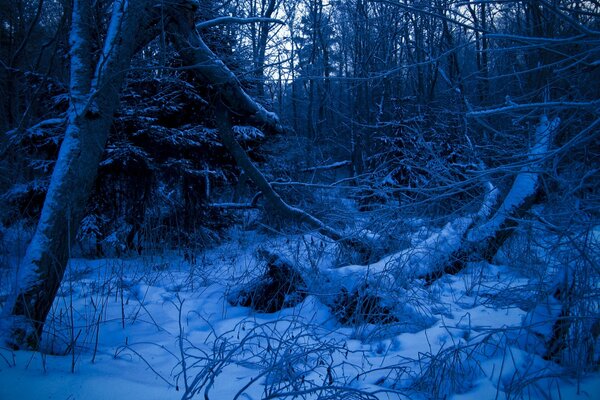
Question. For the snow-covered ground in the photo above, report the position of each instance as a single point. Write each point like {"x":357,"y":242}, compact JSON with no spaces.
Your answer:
{"x":153,"y":326}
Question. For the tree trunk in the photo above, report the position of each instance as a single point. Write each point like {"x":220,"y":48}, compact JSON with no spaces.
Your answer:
{"x":483,"y":241}
{"x":94,"y":98}
{"x":211,"y":69}
{"x":278,"y":205}
{"x":261,"y":51}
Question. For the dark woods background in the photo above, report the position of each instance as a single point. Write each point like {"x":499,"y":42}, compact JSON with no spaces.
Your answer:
{"x":384,"y":95}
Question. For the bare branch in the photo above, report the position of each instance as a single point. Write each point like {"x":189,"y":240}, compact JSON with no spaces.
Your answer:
{"x":236,"y":20}
{"x":535,"y":39}
{"x":233,"y":206}
{"x":418,"y":10}
{"x":310,"y":185}
{"x":519,"y":107}
{"x":334,"y":165}
{"x":570,"y":20}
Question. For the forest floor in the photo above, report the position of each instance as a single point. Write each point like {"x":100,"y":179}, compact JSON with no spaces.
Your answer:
{"x":149,"y":327}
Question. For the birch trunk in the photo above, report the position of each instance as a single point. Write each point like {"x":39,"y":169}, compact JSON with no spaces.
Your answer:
{"x":94,"y":98}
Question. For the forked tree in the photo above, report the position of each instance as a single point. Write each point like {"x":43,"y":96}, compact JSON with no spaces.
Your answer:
{"x":94,"y":97}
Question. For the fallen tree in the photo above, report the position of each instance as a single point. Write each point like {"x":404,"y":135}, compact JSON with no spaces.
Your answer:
{"x":482,"y":241}
{"x":359,"y":293}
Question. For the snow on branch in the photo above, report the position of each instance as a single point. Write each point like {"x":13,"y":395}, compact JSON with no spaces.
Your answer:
{"x":524,"y":186}
{"x":420,"y":10}
{"x":334,"y":165}
{"x":311,"y":185}
{"x":48,"y":122}
{"x":594,"y":104}
{"x":211,"y":69}
{"x":239,"y":206}
{"x":534,"y":39}
{"x":233,"y":206}
{"x":569,"y":19}
{"x":247,"y":132}
{"x":236,"y":20}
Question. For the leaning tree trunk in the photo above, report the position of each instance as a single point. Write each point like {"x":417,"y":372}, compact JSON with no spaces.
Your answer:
{"x":210,"y":69}
{"x":483,"y":241}
{"x":279,"y":206}
{"x":236,"y":102}
{"x":94,"y":98}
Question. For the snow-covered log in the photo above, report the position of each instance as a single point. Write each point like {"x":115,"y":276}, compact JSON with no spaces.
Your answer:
{"x":352,"y":290}
{"x":284,"y":284}
{"x":483,"y":240}
{"x":471,"y":237}
{"x":359,"y":294}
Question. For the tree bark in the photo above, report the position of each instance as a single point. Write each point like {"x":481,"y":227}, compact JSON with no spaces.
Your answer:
{"x":483,"y":241}
{"x":211,"y":69}
{"x":94,"y":98}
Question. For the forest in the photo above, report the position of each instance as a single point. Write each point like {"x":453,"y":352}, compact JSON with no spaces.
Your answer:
{"x":299,"y":199}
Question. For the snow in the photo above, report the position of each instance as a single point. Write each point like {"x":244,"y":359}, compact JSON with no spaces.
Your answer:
{"x":429,"y":250}
{"x":143,"y":311}
{"x":103,"y":380}
{"x":524,"y":185}
{"x":425,"y":254}
{"x":40,"y":128}
{"x":247,"y":133}
{"x":20,"y":189}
